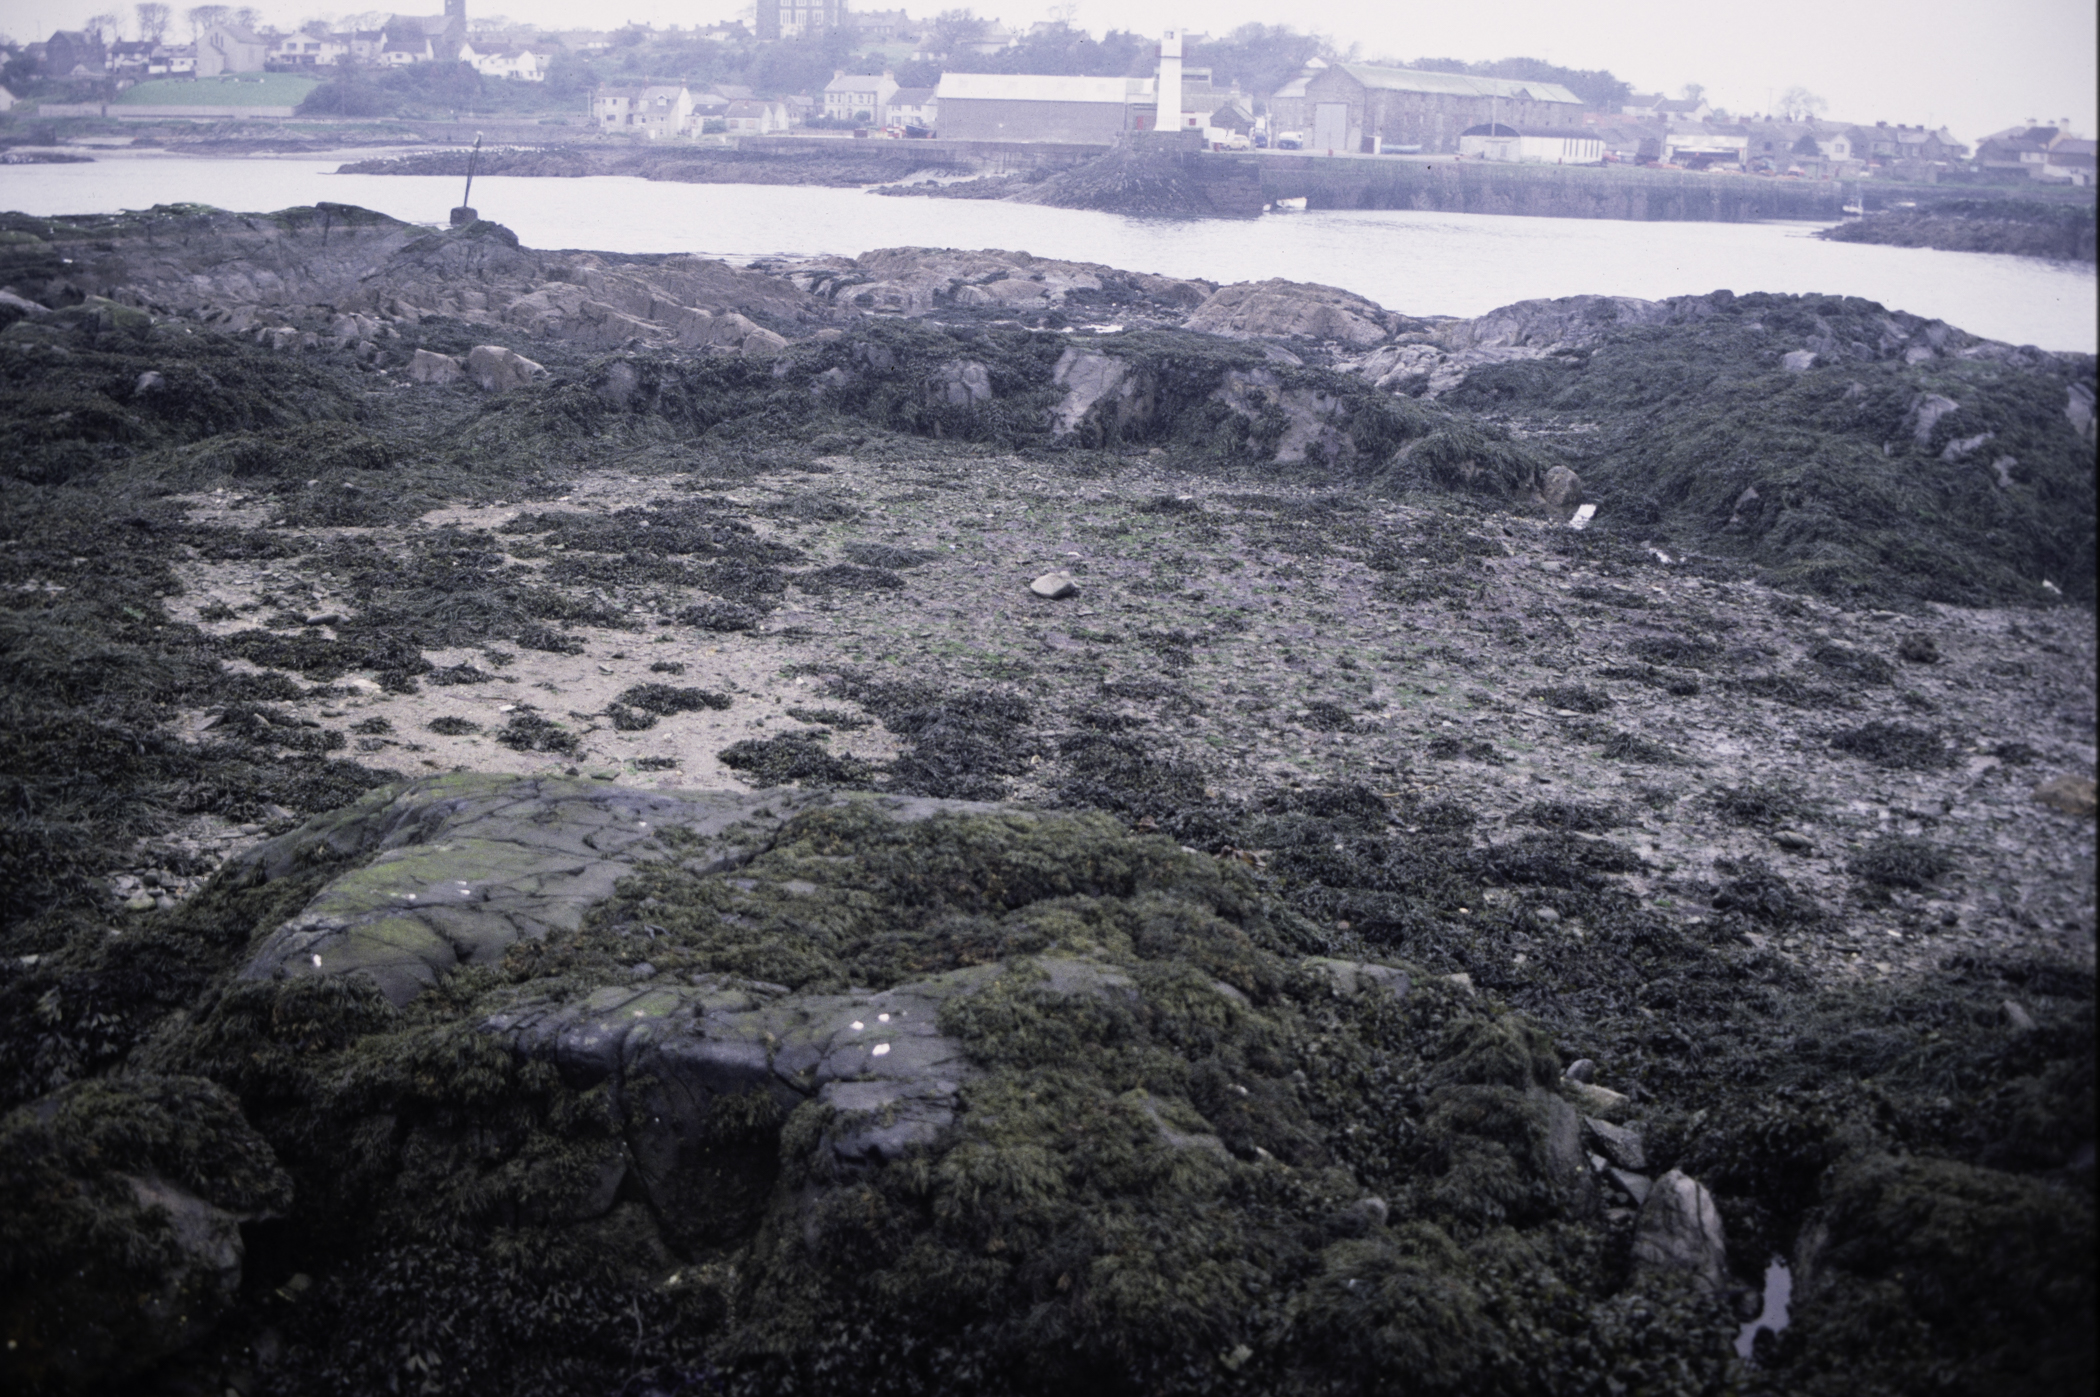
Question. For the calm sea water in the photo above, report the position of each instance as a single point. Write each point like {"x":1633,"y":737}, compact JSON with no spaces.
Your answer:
{"x":1418,"y":263}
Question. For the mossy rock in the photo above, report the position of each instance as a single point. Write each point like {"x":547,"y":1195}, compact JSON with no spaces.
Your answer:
{"x":121,"y":1239}
{"x":927,"y":1094}
{"x":1942,"y":1275}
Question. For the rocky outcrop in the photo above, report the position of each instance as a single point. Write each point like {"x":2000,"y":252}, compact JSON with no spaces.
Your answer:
{"x":1152,"y":177}
{"x":876,"y":1062}
{"x":960,"y":383}
{"x":341,"y":273}
{"x":2078,"y":409}
{"x":929,"y":281}
{"x":1311,"y":419}
{"x":1110,"y":398}
{"x":1277,"y":309}
{"x":2016,"y":227}
{"x":1432,"y":360}
{"x":1101,"y":393}
{"x":1427,"y":360}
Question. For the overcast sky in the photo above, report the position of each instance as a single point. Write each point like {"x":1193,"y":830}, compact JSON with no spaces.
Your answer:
{"x":1972,"y":66}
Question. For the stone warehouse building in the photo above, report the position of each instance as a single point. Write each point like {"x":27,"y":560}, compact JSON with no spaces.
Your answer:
{"x":1354,"y":107}
{"x":1040,"y":107}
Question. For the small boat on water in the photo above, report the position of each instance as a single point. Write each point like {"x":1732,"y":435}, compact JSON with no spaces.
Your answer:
{"x":1296,"y":205}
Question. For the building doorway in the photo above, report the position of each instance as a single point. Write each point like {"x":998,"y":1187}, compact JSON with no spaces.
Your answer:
{"x":1330,"y":127}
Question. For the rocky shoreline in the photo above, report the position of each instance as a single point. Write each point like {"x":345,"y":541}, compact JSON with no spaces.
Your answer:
{"x":892,"y":161}
{"x":552,"y":845}
{"x":2063,"y":233}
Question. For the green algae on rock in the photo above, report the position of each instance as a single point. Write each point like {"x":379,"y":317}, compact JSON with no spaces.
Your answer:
{"x":904,"y":1069}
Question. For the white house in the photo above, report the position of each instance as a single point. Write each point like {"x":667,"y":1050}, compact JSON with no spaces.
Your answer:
{"x":1530,"y":145}
{"x":517,"y":64}
{"x":401,"y":51}
{"x":914,"y":106}
{"x":228,"y":48}
{"x":653,"y":112}
{"x":307,"y":51}
{"x":859,"y":97}
{"x":172,"y":61}
{"x":752,"y":117}
{"x":7,"y":100}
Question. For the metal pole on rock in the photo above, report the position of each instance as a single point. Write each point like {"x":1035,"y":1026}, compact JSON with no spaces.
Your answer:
{"x":464,"y":214}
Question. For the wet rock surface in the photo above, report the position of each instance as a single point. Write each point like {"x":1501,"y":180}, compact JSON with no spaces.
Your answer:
{"x":1272,"y":875}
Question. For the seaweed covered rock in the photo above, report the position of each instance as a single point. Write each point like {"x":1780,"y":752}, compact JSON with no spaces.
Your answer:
{"x":1863,"y":474}
{"x":2019,"y":227}
{"x":1149,"y":177}
{"x":935,"y":1096}
{"x":1940,"y":1274}
{"x":519,"y":860}
{"x":317,"y":265}
{"x":121,"y":1239}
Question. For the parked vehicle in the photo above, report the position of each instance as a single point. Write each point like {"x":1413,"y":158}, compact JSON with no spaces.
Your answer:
{"x":1290,"y":140}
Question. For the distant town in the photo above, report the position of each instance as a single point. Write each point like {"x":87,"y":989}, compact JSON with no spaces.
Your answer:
{"x":818,"y":68}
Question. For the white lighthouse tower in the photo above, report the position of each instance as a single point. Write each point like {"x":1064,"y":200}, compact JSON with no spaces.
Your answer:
{"x":1169,"y":85}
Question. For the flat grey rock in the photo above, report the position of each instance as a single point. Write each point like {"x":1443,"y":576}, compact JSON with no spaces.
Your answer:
{"x":1354,"y":977}
{"x":1622,"y":1146}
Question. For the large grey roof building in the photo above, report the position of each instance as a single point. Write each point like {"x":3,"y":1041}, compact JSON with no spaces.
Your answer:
{"x":1353,"y":106}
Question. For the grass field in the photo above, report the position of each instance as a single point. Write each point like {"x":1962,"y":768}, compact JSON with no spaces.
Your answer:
{"x":243,"y":90}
